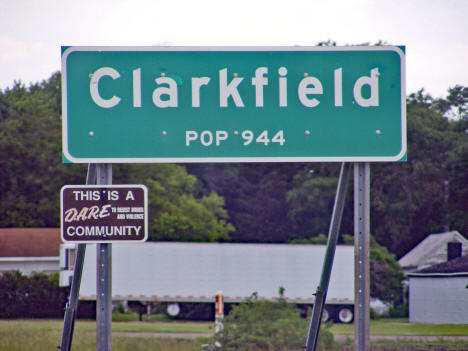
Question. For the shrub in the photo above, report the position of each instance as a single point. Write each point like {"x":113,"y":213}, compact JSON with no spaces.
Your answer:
{"x":37,"y":296}
{"x":268,"y":326}
{"x":400,"y":311}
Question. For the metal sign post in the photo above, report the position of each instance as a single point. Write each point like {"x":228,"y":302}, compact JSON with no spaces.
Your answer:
{"x":361,"y":252}
{"x":72,"y":305}
{"x":361,"y":240}
{"x":334,"y":231}
{"x":104,"y":279}
{"x":100,"y":213}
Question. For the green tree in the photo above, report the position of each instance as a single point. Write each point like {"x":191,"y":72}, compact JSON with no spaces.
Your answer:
{"x":456,"y":200}
{"x":37,"y":296}
{"x":265,"y":202}
{"x":257,"y":325}
{"x":176,"y":212}
{"x":412,"y":199}
{"x":32,"y":173}
{"x":255,"y":196}
{"x":320,"y":239}
{"x":455,"y":105}
{"x":310,"y":201}
{"x":426,"y":194}
{"x":386,"y":276}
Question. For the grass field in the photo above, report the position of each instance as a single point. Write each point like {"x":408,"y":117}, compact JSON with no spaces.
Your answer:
{"x":401,"y":327}
{"x":378,"y":327}
{"x":42,"y":335}
{"x":90,"y":326}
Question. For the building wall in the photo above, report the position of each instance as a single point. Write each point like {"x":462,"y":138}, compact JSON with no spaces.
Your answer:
{"x":438,"y":300}
{"x":28,"y":265}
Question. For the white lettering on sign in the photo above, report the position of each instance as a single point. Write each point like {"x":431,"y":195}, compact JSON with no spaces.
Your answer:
{"x":93,"y":212}
{"x":338,"y":79}
{"x":137,"y":87}
{"x":113,"y":195}
{"x":229,"y":90}
{"x":94,"y":87}
{"x":209,"y":138}
{"x":206,"y":137}
{"x":95,"y":195}
{"x":87,"y":195}
{"x":197,"y":83}
{"x":283,"y":87}
{"x":134,"y":216}
{"x":307,"y":86}
{"x":104,"y":231}
{"x":170,"y":91}
{"x":259,"y":81}
{"x":373,"y":82}
{"x":166,"y":94}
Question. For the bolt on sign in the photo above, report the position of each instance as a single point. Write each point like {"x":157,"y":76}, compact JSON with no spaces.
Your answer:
{"x":233,"y":104}
{"x":104,"y":213}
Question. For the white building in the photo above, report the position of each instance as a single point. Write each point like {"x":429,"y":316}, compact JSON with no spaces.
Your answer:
{"x":432,"y":250}
{"x":439,"y":294}
{"x":30,"y":250}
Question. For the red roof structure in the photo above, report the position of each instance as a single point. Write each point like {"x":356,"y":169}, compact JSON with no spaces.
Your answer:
{"x":30,"y":242}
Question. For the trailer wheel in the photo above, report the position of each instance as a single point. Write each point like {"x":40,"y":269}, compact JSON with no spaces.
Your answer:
{"x":345,"y":314}
{"x":325,"y":315}
{"x":173,"y":309}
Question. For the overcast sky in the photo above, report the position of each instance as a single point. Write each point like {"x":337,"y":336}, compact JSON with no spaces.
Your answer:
{"x":435,"y":32}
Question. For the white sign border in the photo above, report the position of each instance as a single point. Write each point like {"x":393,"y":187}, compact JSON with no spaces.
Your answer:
{"x":73,"y":159}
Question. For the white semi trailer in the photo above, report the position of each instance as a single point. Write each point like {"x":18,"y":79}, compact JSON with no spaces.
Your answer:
{"x":188,"y":275}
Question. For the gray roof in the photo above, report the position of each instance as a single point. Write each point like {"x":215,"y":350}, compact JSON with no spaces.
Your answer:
{"x":432,"y":250}
{"x":456,"y":266}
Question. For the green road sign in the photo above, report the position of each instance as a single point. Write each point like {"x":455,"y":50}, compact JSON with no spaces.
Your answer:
{"x":233,"y":104}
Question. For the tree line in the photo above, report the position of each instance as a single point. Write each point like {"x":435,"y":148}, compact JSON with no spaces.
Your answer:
{"x":242,"y":202}
{"x":409,"y":200}
{"x":247,"y":202}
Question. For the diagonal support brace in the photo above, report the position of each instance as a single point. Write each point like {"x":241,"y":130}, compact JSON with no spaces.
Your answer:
{"x":333,"y":233}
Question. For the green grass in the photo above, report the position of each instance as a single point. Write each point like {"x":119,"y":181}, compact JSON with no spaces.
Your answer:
{"x":401,"y":327}
{"x":378,"y":327}
{"x":90,"y":326}
{"x":42,"y":335}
